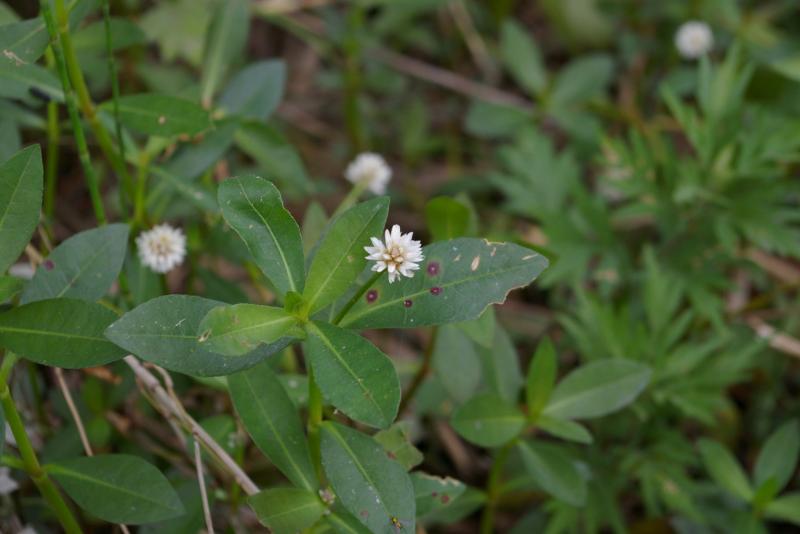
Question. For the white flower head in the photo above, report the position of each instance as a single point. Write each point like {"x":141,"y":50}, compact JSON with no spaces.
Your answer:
{"x":694,"y":39}
{"x":372,"y":169}
{"x":397,"y":254}
{"x":162,"y":248}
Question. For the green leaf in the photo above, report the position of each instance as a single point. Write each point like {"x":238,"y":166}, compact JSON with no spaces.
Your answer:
{"x":161,"y":115}
{"x":256,"y":91}
{"x":241,"y":328}
{"x":118,"y":488}
{"x":597,"y":389}
{"x":23,"y":41}
{"x":582,"y":79}
{"x":501,"y":368}
{"x":20,"y":202}
{"x":275,"y":156}
{"x":541,"y":377}
{"x":488,"y":420}
{"x":434,"y":493}
{"x":92,"y":38}
{"x":353,"y":374}
{"x":554,"y":471}
{"x":454,"y":350}
{"x":564,"y":429}
{"x":60,"y":332}
{"x":785,"y":508}
{"x":343,"y":522}
{"x":340,"y":257}
{"x":18,"y":80}
{"x":9,"y":286}
{"x":482,"y":329}
{"x":254,"y":209}
{"x":372,"y":487}
{"x":447,"y":218}
{"x":397,"y":444}
{"x":272,"y":421}
{"x":522,"y":57}
{"x":287,"y":510}
{"x":458,"y":280}
{"x":164,"y":331}
{"x":82,"y":267}
{"x":725,"y":470}
{"x":226,"y":41}
{"x":778,"y":457}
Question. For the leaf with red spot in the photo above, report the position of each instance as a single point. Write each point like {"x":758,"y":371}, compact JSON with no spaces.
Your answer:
{"x":456,"y":282}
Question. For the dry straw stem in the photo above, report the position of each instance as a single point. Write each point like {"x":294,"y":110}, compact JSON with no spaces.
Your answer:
{"x":172,"y":409}
{"x":777,"y":339}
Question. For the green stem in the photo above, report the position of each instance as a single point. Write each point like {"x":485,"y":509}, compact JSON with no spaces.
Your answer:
{"x":69,"y":97}
{"x":139,"y":209}
{"x":352,"y":79}
{"x":51,"y":163}
{"x":421,"y":373}
{"x":356,"y":296}
{"x":87,"y":107}
{"x":351,"y":197}
{"x":493,"y":487}
{"x":30,"y":462}
{"x":314,"y":420}
{"x":112,"y":72}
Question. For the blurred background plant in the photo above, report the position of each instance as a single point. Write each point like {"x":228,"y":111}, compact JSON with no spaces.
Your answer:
{"x":662,"y":186}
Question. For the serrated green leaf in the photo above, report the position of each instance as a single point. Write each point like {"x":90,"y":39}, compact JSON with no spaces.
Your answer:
{"x":82,"y":267}
{"x":457,"y":281}
{"x":372,"y":487}
{"x":118,"y":488}
{"x":256,"y":91}
{"x":541,"y":377}
{"x":353,"y":374}
{"x":287,"y":510}
{"x":254,"y":209}
{"x":161,"y":115}
{"x":778,"y":457}
{"x":725,"y":470}
{"x":488,"y":420}
{"x":272,"y":421}
{"x":434,"y":493}
{"x":554,"y":472}
{"x":164,"y":331}
{"x":340,"y":257}
{"x":522,"y":57}
{"x":241,"y":328}
{"x":597,"y":389}
{"x":20,"y":202}
{"x":60,"y":332}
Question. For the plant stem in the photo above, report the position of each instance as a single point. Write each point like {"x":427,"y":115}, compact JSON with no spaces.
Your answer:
{"x":493,"y":487}
{"x":314,"y":420}
{"x":69,"y":97}
{"x":352,"y":78}
{"x":356,"y":296}
{"x":351,"y":198}
{"x":51,"y":163}
{"x":84,"y":98}
{"x":112,"y":72}
{"x":30,"y":461}
{"x":140,"y":201}
{"x":421,"y":373}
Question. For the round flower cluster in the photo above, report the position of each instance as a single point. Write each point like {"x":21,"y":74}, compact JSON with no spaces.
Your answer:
{"x":371,"y":169}
{"x":162,"y":248}
{"x":694,"y":39}
{"x":398,"y":254}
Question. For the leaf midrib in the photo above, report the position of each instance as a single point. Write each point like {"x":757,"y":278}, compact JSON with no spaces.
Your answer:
{"x":15,"y":329}
{"x":367,"y":393}
{"x":264,"y":410}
